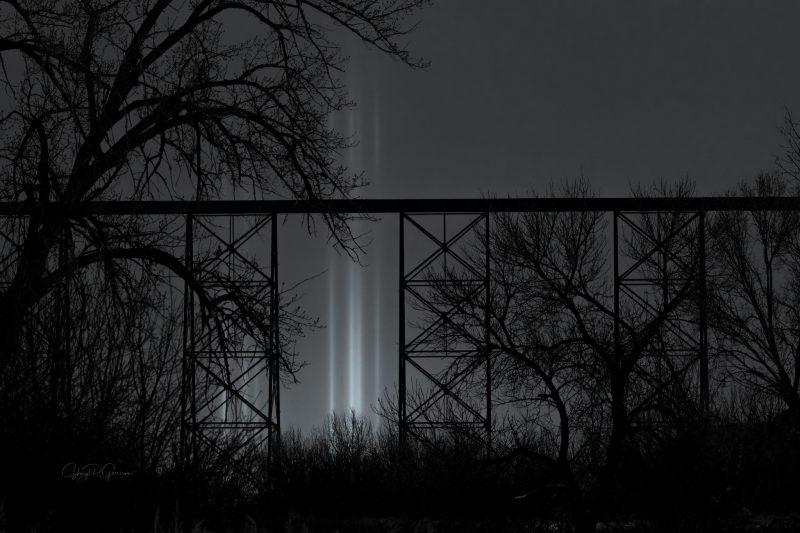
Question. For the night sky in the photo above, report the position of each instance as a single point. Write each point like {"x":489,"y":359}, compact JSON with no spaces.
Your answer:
{"x":520,"y":94}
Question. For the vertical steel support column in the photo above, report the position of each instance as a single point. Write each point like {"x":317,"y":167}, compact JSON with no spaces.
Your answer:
{"x":220,"y":414}
{"x":616,"y":288}
{"x":702,"y":275}
{"x":487,"y":332}
{"x":274,"y":408}
{"x":401,"y":380}
{"x":446,"y":362}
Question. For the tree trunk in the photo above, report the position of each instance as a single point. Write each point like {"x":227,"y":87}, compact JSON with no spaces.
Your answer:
{"x":608,"y":489}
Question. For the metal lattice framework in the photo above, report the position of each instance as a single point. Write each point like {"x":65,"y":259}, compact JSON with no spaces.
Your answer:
{"x":230,"y":401}
{"x":660,"y":277}
{"x":444,"y":371}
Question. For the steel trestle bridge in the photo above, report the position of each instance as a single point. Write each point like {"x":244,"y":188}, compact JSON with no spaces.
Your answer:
{"x":442,"y":384}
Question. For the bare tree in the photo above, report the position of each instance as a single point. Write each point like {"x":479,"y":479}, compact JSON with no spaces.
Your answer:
{"x":789,"y":162}
{"x":580,"y":401}
{"x":167,"y":99}
{"x":154,"y":100}
{"x":756,"y":294}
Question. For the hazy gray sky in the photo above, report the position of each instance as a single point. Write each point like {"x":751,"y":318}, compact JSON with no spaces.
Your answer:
{"x":520,"y":93}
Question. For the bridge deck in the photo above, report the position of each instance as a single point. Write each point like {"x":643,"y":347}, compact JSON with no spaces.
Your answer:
{"x":417,"y":205}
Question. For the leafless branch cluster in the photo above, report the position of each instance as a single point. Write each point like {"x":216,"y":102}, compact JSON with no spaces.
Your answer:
{"x":166,"y":99}
{"x":585,"y":390}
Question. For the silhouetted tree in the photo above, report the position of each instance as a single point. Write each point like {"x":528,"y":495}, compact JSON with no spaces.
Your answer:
{"x":789,"y":162}
{"x":162,"y":99}
{"x":583,"y":404}
{"x":756,"y":294}
{"x":112,"y":398}
{"x":152,"y":100}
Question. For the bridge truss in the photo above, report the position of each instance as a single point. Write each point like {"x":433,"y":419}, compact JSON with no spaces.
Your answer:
{"x":231,"y":382}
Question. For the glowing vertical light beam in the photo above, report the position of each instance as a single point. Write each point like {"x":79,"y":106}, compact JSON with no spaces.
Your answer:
{"x":359,"y":382}
{"x":376,"y":161}
{"x":332,"y":326}
{"x":376,"y":328}
{"x":351,"y":360}
{"x":376,"y":134}
{"x":352,"y":314}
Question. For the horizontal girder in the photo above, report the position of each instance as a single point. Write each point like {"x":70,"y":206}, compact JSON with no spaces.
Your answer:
{"x":408,"y":205}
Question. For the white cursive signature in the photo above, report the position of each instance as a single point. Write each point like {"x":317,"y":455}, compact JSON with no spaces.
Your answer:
{"x":82,"y":473}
